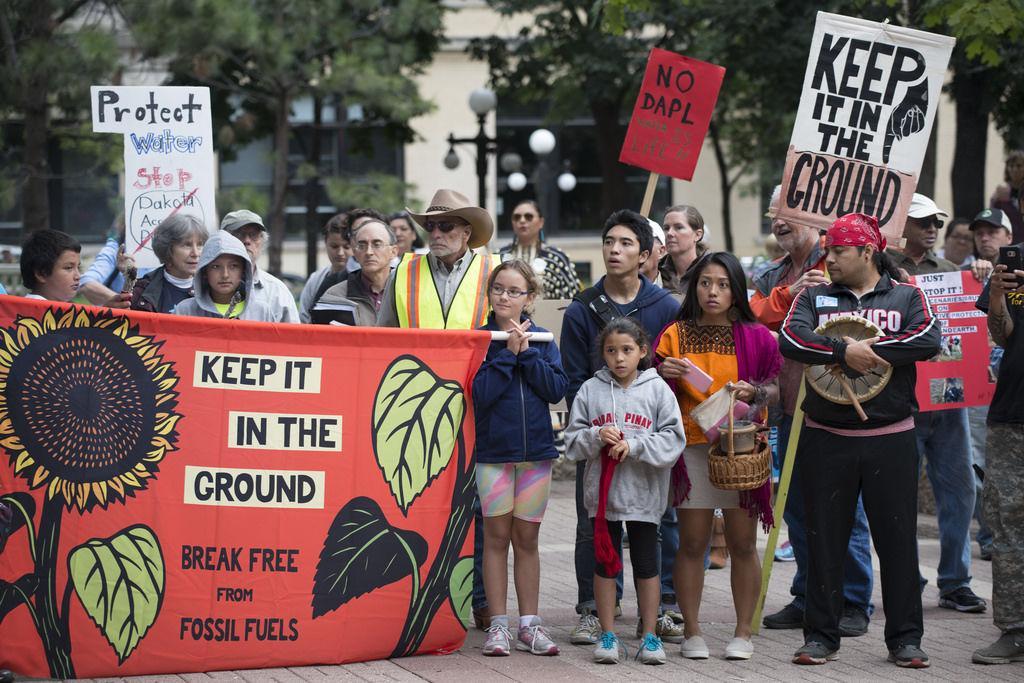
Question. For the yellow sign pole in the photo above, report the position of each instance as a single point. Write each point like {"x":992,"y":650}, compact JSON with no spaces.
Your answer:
{"x":780,"y":505}
{"x":652,"y":185}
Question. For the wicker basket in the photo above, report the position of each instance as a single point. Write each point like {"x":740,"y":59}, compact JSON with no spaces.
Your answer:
{"x":731,"y":471}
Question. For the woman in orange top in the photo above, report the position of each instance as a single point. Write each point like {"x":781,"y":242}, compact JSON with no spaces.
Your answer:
{"x":718,"y":333}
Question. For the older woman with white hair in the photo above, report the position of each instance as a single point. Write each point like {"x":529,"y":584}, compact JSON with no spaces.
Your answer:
{"x":177,"y":242}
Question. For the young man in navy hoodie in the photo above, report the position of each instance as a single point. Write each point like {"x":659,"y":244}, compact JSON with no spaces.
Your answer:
{"x":623,"y":291}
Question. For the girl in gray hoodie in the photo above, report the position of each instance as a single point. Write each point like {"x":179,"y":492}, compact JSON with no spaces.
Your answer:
{"x":625,"y":424}
{"x":223,"y":283}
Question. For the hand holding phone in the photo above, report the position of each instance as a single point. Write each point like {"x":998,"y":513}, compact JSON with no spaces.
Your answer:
{"x":1011,"y":257}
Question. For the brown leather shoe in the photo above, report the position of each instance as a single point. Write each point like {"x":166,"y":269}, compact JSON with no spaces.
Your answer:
{"x":481,"y":619}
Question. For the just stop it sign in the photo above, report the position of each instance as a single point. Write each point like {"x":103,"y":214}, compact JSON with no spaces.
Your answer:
{"x":672,"y":114}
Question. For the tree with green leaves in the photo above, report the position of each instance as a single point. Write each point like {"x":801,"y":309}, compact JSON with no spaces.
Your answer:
{"x":593,"y":54}
{"x":53,"y":50}
{"x":267,"y":54}
{"x":988,"y":81}
{"x":567,"y":57}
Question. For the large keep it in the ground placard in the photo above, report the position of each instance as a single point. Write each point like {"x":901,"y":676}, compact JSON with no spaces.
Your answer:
{"x":868,"y":103}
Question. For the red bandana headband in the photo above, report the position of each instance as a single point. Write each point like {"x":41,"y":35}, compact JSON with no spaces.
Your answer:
{"x":855,"y":230}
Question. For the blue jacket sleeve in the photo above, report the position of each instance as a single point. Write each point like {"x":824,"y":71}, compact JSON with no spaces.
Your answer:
{"x":103,"y":266}
{"x":543,"y":372}
{"x":492,"y":379}
{"x":575,"y":345}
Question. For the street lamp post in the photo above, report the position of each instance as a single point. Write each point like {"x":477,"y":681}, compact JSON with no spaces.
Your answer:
{"x":542,"y":143}
{"x":482,"y":101}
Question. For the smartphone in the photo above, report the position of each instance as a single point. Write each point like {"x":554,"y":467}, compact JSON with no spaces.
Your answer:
{"x":1011,"y":258}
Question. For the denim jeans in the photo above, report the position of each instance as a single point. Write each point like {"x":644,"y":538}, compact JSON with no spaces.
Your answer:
{"x":858,"y":576}
{"x":943,"y":440}
{"x":584,"y":554}
{"x":668,"y":534}
{"x":976,"y":417}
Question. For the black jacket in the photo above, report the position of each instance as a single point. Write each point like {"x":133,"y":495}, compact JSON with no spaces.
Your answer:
{"x":912,"y":333}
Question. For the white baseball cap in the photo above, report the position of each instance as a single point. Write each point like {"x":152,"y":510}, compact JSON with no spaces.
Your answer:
{"x":657,"y":231}
{"x":924,"y":207}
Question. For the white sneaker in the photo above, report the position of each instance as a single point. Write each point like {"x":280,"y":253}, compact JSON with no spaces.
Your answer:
{"x":607,"y":650}
{"x":739,"y":648}
{"x":651,"y":650}
{"x":499,"y":641}
{"x":535,"y":640}
{"x":694,"y":647}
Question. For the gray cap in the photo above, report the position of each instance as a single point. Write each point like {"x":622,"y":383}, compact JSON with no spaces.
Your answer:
{"x":239,"y":219}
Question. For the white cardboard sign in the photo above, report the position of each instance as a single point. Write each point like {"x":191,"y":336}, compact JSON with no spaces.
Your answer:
{"x":866,"y":111}
{"x":168,"y":156}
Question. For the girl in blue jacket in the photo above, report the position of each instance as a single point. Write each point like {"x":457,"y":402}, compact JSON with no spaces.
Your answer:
{"x":515,"y":450}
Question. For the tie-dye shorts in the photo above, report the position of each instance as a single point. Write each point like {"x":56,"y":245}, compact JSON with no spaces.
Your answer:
{"x":521,"y":488}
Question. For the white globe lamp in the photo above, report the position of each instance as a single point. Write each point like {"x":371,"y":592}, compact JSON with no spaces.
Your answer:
{"x":542,"y":142}
{"x":482,"y":101}
{"x":566,"y":182}
{"x":516,"y":181}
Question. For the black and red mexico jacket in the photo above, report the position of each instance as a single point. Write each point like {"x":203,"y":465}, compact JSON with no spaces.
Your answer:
{"x":911,"y":332}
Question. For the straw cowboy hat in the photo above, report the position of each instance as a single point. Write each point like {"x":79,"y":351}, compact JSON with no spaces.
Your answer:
{"x":451,"y":203}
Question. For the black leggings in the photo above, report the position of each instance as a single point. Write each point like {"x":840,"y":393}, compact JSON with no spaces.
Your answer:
{"x":643,"y":547}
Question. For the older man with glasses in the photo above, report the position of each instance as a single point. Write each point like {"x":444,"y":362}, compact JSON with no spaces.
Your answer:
{"x":375,"y":247}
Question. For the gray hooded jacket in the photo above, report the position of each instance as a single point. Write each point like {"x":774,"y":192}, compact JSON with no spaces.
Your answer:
{"x":648,"y":414}
{"x":222,"y":242}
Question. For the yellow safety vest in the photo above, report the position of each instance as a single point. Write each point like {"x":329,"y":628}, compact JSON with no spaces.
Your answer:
{"x":418,"y":303}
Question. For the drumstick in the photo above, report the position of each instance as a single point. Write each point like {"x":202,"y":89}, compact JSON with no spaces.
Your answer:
{"x":850,"y":393}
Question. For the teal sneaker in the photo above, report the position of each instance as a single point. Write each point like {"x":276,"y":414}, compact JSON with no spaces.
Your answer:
{"x":607,"y":650}
{"x":651,"y":650}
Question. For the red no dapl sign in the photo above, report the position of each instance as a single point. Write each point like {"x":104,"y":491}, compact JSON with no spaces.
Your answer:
{"x":672,"y":114}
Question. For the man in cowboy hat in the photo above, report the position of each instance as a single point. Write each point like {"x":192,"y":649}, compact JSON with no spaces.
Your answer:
{"x":447,"y":288}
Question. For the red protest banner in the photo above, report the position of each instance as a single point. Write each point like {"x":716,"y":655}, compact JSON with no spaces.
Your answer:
{"x":194,"y":494}
{"x":959,"y":376}
{"x":672,"y":114}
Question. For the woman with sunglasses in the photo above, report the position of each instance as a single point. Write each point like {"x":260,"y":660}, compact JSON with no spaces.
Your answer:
{"x":552,"y":266}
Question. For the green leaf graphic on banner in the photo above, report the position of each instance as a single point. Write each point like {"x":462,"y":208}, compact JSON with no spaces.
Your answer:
{"x":460,"y":590}
{"x":120,"y":581}
{"x":363,"y":552}
{"x":416,"y":419}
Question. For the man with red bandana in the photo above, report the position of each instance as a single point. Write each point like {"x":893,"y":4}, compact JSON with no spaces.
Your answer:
{"x":844,"y":457}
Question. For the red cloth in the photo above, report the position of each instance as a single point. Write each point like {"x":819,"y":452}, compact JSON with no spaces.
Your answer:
{"x":604,"y":551}
{"x":855,"y":230}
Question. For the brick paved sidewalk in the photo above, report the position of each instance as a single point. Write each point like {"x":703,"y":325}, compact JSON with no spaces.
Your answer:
{"x":949,"y":637}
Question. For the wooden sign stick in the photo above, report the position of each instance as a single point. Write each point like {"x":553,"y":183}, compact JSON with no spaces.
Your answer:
{"x":652,"y":185}
{"x":780,"y":505}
